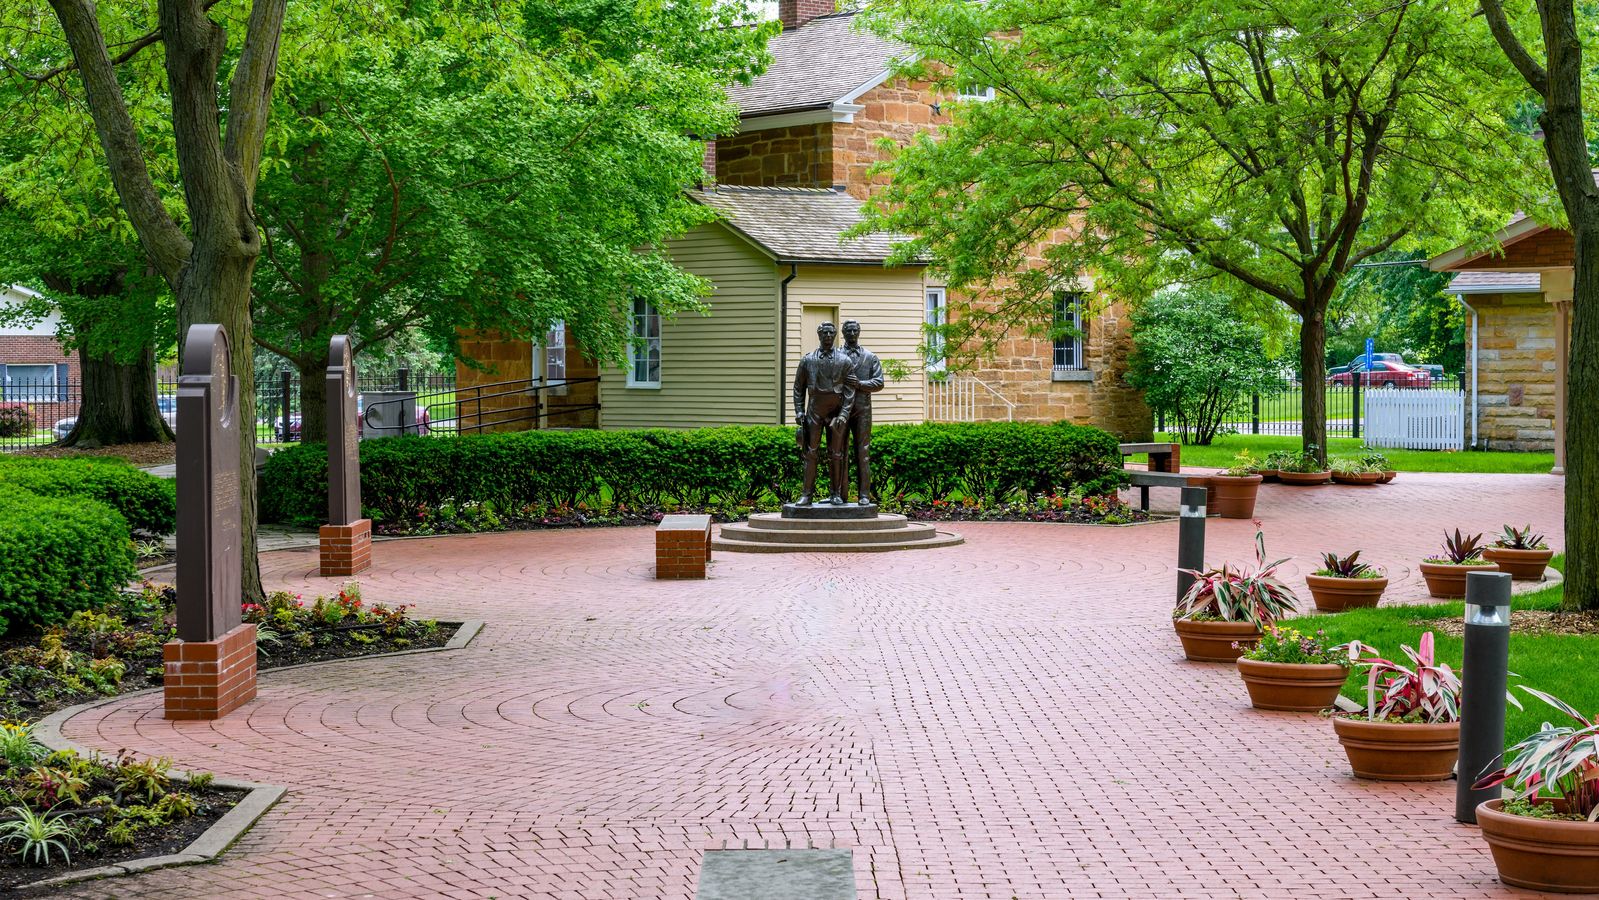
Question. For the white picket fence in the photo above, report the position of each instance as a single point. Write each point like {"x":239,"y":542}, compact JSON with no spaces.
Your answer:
{"x":1415,"y":419}
{"x":954,"y":399}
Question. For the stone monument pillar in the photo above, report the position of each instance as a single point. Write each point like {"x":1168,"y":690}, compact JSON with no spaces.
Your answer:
{"x":346,"y":541}
{"x":210,"y":667}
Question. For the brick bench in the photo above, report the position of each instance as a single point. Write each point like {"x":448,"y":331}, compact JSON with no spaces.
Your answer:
{"x":1163,"y":457}
{"x":682,"y":546}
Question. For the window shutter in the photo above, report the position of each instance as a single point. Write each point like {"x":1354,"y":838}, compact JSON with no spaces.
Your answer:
{"x":5,"y":383}
{"x":63,"y":372}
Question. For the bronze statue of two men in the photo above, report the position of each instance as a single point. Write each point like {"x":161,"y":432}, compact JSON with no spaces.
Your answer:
{"x":833,"y":390}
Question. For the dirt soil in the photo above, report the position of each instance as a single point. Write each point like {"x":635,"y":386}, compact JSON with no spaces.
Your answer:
{"x":152,"y":454}
{"x":1528,"y":621}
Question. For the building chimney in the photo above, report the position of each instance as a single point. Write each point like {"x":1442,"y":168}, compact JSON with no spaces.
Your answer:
{"x":709,"y":164}
{"x":794,"y":13}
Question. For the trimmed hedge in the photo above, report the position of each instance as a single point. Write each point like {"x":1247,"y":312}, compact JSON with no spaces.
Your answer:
{"x":58,"y":555}
{"x":702,"y":468}
{"x":149,"y":504}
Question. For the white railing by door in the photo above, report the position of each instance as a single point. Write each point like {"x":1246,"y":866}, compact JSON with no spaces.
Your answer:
{"x":955,"y":399}
{"x":1415,"y":420}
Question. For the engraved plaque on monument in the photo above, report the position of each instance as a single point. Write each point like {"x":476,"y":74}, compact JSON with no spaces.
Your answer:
{"x":209,"y":562}
{"x":344,"y":462}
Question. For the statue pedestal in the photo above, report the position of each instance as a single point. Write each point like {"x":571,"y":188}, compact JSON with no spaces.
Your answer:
{"x":825,"y":511}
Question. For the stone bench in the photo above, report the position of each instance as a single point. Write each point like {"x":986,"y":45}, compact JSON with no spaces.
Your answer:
{"x":682,"y":546}
{"x":1163,"y":457}
{"x":1146,"y":480}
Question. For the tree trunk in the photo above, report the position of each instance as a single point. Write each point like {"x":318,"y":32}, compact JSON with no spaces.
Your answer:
{"x":1582,"y":417}
{"x":313,"y":399}
{"x":119,"y":403}
{"x":215,"y":288}
{"x":1313,"y":384}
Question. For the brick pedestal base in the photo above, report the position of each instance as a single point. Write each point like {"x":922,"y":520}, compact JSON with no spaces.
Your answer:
{"x":346,"y":549}
{"x":209,"y":679}
{"x":682,"y":546}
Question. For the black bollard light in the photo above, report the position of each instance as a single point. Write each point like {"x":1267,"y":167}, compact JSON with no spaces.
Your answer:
{"x":1483,"y":676}
{"x":1190,"y":538}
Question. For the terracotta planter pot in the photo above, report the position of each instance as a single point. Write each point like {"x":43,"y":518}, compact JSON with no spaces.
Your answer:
{"x":1213,"y":641}
{"x":1523,"y":565}
{"x":1290,"y":686}
{"x":1335,"y":594}
{"x":1233,"y":497}
{"x":1542,"y":854}
{"x":1268,"y":474}
{"x":1393,"y":751}
{"x":1449,"y":581}
{"x":1387,"y":477}
{"x":1303,"y":478}
{"x":1357,"y":477}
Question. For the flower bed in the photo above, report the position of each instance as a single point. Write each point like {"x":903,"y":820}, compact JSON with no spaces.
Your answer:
{"x":61,"y":811}
{"x":117,"y":649}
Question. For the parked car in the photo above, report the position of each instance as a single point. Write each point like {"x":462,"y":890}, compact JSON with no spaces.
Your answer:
{"x":1384,"y":374}
{"x":424,"y":420}
{"x":1437,"y":373}
{"x":166,"y":403}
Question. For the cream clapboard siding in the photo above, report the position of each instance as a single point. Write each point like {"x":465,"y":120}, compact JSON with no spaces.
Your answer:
{"x":889,"y":305}
{"x":719,"y":368}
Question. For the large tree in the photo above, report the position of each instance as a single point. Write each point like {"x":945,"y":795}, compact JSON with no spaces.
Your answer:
{"x":1276,"y":143}
{"x":1545,"y":46}
{"x":525,"y":175}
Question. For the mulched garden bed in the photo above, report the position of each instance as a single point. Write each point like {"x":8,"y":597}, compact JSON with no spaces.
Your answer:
{"x":160,"y":840}
{"x":1528,"y":621}
{"x":150,"y":454}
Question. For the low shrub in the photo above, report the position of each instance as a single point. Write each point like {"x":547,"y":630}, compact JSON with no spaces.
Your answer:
{"x":148,"y":504}
{"x":15,"y":420}
{"x":402,"y":478}
{"x":58,"y":555}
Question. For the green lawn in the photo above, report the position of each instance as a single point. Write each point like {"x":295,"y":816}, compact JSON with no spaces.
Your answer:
{"x":1562,"y":665}
{"x":1285,"y":406}
{"x":1220,"y":454}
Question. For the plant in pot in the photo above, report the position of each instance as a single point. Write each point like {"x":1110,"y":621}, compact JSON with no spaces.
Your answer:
{"x":1343,"y":582}
{"x":1410,"y":730}
{"x":1548,"y":843}
{"x":1347,"y":470}
{"x":1520,"y":552}
{"x":1304,"y":468}
{"x":1273,"y":464}
{"x":1292,"y":671}
{"x":1225,"y":610}
{"x":1377,"y":462}
{"x":1446,"y":574}
{"x":1234,"y":489}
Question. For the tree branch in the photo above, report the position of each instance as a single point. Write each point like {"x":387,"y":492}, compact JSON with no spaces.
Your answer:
{"x":250,"y":95}
{"x":1499,"y":26}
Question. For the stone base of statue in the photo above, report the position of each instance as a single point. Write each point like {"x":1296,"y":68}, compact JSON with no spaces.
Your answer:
{"x":825,"y":510}
{"x":209,"y":679}
{"x":826,"y":528}
{"x":345,"y":549}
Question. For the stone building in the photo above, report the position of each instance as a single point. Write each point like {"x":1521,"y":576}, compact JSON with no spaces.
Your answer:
{"x":1518,"y":297}
{"x":788,"y":185}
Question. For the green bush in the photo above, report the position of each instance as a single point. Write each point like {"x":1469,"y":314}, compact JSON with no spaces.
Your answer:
{"x":15,"y":420}
{"x":403,"y":477}
{"x":58,"y":555}
{"x":149,"y":504}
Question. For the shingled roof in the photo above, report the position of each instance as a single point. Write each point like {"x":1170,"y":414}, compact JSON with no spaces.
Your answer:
{"x":1495,"y":283}
{"x":796,"y":224}
{"x":816,"y":65}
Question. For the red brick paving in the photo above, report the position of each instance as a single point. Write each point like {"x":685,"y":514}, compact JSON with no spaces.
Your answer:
{"x":1007,"y":718}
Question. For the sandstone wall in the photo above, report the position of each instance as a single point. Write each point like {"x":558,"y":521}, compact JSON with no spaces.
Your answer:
{"x":1516,"y":371}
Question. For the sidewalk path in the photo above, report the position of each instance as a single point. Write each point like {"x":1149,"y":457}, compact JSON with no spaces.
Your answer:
{"x":1007,"y":718}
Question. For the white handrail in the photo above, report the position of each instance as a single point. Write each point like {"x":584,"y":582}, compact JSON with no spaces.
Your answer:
{"x":954,"y":399}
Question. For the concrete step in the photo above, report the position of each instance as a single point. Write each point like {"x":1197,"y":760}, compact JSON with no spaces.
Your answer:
{"x":899,"y":532}
{"x":775,"y":522}
{"x":942,"y":539}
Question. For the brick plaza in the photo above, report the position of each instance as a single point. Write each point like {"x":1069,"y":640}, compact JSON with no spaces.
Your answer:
{"x":1006,"y":718}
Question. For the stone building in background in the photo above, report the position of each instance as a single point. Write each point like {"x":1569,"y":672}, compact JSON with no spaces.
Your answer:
{"x":1518,"y":336}
{"x":789,"y":184}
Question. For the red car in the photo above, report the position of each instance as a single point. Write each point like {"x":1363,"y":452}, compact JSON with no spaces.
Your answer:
{"x":1384,"y":374}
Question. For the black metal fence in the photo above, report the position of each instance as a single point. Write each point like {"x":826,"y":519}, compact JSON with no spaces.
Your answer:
{"x":1281,"y":411}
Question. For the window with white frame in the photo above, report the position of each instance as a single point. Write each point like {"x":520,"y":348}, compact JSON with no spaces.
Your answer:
{"x":974,"y":93}
{"x":644,"y":353}
{"x":555,"y":358}
{"x":29,"y":383}
{"x":935,"y":317}
{"x":1071,"y":334}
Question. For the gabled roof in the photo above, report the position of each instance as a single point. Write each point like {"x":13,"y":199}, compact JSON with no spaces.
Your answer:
{"x":823,"y":62}
{"x":1519,"y":228}
{"x":1495,"y":283}
{"x":795,"y":225}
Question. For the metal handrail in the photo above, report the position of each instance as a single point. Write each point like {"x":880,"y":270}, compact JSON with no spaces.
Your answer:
{"x":527,"y":387}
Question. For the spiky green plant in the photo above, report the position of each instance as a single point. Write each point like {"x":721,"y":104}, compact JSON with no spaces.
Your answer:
{"x":1560,"y":759}
{"x":1521,"y":538}
{"x":36,"y":835}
